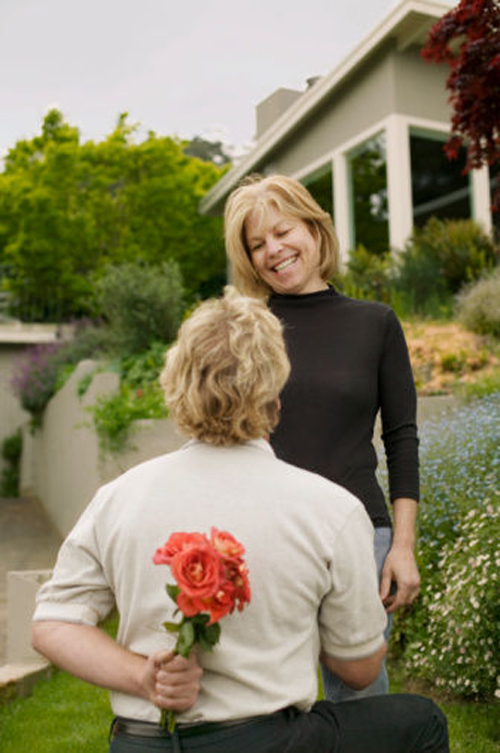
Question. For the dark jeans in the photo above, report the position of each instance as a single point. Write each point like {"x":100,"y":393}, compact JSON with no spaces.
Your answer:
{"x":380,"y":724}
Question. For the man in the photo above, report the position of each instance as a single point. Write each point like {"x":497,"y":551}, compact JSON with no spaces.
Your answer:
{"x":314,"y":585}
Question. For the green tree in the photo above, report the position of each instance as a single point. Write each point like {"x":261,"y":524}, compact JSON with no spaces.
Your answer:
{"x":68,"y":209}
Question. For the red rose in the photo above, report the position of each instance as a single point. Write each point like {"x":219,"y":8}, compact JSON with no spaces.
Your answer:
{"x":226,"y":544}
{"x":176,"y":543}
{"x":236,"y":576}
{"x":197,"y":570}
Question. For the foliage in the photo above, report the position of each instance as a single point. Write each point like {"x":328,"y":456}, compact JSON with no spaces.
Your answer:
{"x":478,"y":305}
{"x":460,"y":462}
{"x":461,"y":651}
{"x":43,"y":369}
{"x":34,"y":377}
{"x":208,"y":151}
{"x":114,"y":414}
{"x":368,"y":276}
{"x":438,"y":260}
{"x":468,"y":39}
{"x":12,"y":447}
{"x":69,"y":209}
{"x":140,"y":303}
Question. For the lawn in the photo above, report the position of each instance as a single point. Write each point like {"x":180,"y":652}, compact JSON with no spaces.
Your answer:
{"x":67,"y":715}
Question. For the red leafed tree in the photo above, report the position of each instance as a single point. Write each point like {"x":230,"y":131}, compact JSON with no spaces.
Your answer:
{"x":468,"y":39}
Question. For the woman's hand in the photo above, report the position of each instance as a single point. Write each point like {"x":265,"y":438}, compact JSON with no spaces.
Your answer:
{"x":400,"y":582}
{"x":171,"y":682}
{"x":400,"y":569}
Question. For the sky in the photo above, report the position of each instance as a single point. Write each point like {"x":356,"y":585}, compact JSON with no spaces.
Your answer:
{"x":178,"y":67}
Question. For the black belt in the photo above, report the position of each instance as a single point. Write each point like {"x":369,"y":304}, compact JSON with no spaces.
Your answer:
{"x":133,"y":728}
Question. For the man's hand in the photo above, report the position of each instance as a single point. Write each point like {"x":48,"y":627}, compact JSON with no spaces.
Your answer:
{"x":171,"y":682}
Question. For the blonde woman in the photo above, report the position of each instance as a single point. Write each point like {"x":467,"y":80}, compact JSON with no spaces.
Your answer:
{"x":311,"y":590}
{"x":349,"y":360}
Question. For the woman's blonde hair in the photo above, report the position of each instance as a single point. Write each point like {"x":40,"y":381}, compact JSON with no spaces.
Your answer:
{"x":223,"y":376}
{"x":290,"y":198}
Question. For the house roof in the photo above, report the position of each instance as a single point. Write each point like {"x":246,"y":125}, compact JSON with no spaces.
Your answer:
{"x":408,"y":22}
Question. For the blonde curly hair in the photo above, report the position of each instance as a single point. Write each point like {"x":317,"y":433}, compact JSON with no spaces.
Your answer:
{"x":293,"y":200}
{"x":223,"y":376}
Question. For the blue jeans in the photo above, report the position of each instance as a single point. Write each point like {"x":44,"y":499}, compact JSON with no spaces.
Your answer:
{"x":335,"y":690}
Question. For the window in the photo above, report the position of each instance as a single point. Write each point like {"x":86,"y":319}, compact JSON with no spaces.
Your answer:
{"x":320,"y":186}
{"x":494,"y":183}
{"x":439,"y":189}
{"x":368,"y":199}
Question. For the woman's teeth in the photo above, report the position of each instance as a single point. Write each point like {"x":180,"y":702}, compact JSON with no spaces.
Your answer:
{"x":284,"y":264}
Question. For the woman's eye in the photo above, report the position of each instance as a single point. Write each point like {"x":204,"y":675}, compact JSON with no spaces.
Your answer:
{"x":256,"y":247}
{"x":282,"y":232}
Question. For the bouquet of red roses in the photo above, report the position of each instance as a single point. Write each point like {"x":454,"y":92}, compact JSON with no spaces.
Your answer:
{"x":212,"y":579}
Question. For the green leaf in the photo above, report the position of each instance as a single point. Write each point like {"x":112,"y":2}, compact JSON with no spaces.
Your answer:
{"x":173,"y":591}
{"x":212,"y":633}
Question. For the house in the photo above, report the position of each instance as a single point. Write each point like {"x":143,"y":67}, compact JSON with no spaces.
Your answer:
{"x":367,"y":139}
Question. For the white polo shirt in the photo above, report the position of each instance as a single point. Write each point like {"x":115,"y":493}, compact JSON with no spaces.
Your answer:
{"x":309,"y":550}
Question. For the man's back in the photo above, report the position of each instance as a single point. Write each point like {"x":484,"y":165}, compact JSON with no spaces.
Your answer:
{"x":305,"y":542}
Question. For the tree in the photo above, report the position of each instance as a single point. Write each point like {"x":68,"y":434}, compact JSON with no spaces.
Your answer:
{"x":468,"y":39}
{"x":68,"y":210}
{"x":208,"y":151}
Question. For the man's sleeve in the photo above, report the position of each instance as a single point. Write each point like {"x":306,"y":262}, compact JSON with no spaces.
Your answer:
{"x":352,"y":618}
{"x":78,"y":590}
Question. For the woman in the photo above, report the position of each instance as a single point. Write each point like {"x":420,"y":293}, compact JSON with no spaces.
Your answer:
{"x":349,"y":359}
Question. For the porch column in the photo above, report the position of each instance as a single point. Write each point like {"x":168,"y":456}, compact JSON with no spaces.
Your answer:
{"x":481,"y":199}
{"x":399,"y":197}
{"x":341,"y":207}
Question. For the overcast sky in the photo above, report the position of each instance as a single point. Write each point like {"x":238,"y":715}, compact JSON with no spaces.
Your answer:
{"x":178,"y":67}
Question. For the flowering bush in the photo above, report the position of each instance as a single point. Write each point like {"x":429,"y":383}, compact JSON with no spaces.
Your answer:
{"x":460,"y":463}
{"x":35,"y":376}
{"x":461,"y":651}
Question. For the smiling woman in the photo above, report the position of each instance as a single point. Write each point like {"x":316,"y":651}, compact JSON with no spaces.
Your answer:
{"x":349,"y":360}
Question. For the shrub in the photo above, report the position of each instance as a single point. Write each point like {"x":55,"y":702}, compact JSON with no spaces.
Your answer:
{"x":139,"y":396}
{"x":141,"y":304}
{"x":478,"y":305}
{"x":12,"y":447}
{"x":43,"y":369}
{"x":438,"y":260}
{"x":114,"y":414}
{"x":461,"y":651}
{"x":368,"y":276}
{"x":460,"y":463}
{"x":34,"y":377}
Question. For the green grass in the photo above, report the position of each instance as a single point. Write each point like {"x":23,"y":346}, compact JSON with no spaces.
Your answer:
{"x":473,"y":727}
{"x":63,"y":714}
{"x":66,"y":715}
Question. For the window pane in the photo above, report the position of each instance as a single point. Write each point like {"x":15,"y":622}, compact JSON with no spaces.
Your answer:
{"x":494,"y":184}
{"x":368,"y":179}
{"x":320,"y":186}
{"x":438,"y":187}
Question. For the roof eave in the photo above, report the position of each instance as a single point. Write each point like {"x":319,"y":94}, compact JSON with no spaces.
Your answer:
{"x":313,"y":98}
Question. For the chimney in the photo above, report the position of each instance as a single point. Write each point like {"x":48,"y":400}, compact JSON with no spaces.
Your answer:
{"x":271,"y":108}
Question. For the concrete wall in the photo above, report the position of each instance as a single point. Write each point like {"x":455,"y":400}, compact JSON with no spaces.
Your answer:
{"x":62,"y":464}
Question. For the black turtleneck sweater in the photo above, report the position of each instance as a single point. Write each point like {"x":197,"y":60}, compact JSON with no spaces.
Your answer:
{"x":349,"y":359}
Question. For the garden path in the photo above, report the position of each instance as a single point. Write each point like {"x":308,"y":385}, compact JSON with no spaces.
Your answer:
{"x":28,"y":541}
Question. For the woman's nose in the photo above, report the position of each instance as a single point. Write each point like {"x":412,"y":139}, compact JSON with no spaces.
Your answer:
{"x":273,"y":244}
